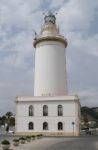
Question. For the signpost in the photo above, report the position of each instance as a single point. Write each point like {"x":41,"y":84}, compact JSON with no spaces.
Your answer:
{"x":73,"y":123}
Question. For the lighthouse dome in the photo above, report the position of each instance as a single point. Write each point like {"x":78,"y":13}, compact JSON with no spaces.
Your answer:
{"x":50,"y":18}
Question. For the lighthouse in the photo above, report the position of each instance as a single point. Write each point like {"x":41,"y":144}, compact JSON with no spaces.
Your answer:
{"x":51,"y":111}
{"x":50,"y":61}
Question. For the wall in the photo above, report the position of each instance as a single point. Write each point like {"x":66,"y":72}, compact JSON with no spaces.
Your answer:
{"x":70,"y":114}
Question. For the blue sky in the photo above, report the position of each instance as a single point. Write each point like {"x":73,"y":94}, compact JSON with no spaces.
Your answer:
{"x":78,"y":22}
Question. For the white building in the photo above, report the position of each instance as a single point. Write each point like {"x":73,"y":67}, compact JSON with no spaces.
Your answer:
{"x":51,"y":111}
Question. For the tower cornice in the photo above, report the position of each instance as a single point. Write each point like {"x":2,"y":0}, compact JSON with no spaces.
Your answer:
{"x":50,"y":38}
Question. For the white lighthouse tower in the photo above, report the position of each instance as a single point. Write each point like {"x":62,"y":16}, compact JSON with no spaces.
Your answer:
{"x":51,"y":111}
{"x":50,"y":62}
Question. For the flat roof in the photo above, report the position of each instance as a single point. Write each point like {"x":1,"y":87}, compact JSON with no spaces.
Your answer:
{"x":47,"y":98}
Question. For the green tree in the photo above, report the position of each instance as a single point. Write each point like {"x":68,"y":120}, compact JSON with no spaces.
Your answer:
{"x":8,"y":117}
{"x":3,"y":120}
{"x":0,"y":121}
{"x":9,"y":114}
{"x":12,"y":121}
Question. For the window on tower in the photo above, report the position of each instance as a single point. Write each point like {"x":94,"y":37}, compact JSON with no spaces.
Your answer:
{"x":60,"y":110}
{"x":31,"y":126}
{"x":45,"y":110}
{"x":60,"y":126}
{"x":31,"y":110}
{"x":45,"y":126}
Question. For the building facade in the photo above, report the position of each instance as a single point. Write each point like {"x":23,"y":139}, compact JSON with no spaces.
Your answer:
{"x":51,"y":111}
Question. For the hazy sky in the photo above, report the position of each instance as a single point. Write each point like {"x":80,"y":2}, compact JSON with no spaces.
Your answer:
{"x":78,"y":22}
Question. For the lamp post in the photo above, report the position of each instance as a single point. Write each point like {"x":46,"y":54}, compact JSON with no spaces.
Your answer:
{"x":73,"y":123}
{"x":7,"y":124}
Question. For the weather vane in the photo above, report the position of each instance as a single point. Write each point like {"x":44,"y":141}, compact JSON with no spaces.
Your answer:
{"x":49,"y":12}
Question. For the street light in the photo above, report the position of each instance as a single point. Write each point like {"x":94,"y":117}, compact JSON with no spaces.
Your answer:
{"x":73,"y":123}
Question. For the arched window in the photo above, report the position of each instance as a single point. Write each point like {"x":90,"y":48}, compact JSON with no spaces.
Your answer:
{"x":60,"y":126}
{"x":60,"y":110}
{"x":45,"y":110}
{"x":45,"y":126}
{"x":31,"y":110}
{"x":31,"y":126}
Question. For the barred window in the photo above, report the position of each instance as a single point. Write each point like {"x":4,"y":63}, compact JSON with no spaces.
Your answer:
{"x":60,"y":110}
{"x":45,"y":126}
{"x":31,"y":126}
{"x":45,"y":110}
{"x":31,"y":110}
{"x":60,"y":126}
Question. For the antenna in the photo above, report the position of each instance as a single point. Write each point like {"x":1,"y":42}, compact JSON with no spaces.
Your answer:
{"x":43,"y":13}
{"x":35,"y":34}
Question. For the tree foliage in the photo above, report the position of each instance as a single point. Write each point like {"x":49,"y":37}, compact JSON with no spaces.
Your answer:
{"x":7,"y":118}
{"x":90,"y":111}
{"x":85,"y":111}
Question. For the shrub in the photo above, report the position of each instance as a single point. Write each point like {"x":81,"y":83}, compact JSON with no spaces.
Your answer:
{"x":28,"y":137}
{"x":22,"y":138}
{"x":5,"y":142}
{"x":15,"y":140}
{"x":33,"y":137}
{"x":39,"y":135}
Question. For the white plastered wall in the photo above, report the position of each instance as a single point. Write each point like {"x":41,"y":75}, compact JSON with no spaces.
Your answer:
{"x":70,"y":114}
{"x":50,"y":69}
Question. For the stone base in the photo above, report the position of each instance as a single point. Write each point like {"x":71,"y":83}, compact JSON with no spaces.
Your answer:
{"x":49,"y":133}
